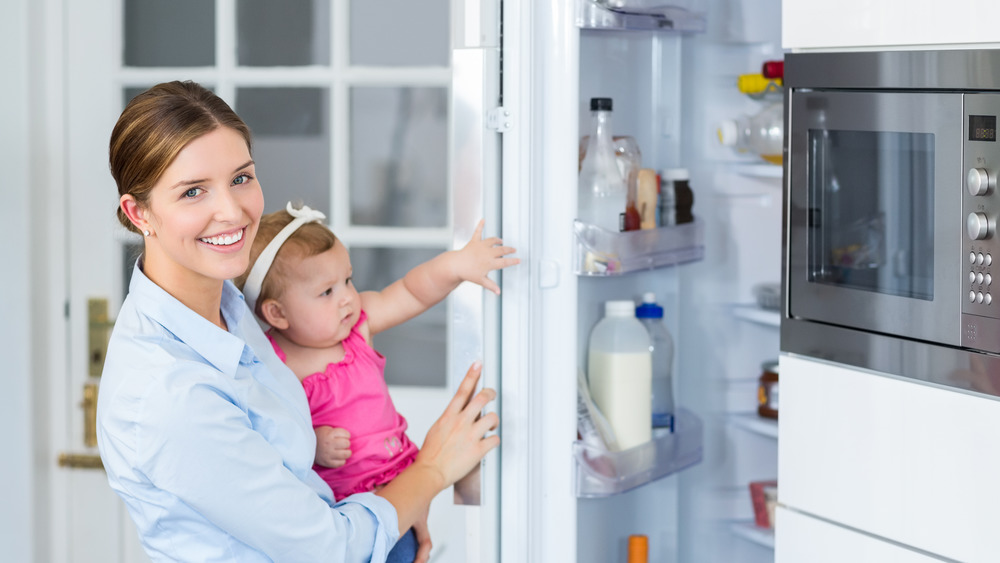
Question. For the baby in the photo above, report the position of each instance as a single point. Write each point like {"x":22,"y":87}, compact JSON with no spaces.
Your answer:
{"x":300,"y":284}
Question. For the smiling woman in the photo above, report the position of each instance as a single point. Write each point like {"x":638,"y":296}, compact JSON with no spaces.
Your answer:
{"x":203,"y":431}
{"x":196,"y":229}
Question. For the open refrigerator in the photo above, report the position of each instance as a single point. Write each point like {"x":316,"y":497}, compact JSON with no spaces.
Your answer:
{"x":524,"y":72}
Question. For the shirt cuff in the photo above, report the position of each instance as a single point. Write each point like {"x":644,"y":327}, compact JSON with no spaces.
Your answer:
{"x":384,"y":522}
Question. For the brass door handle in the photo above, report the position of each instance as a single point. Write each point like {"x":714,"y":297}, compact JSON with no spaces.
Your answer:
{"x":80,"y":461}
{"x":89,"y":405}
{"x":98,"y":332}
{"x":86,"y":461}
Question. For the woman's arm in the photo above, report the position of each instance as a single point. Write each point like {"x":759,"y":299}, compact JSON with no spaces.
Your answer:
{"x":453,"y":446}
{"x":427,"y":284}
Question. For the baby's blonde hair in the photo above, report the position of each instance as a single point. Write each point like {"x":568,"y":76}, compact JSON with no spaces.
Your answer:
{"x":308,"y":240}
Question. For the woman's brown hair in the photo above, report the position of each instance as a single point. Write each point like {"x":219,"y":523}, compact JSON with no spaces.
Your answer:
{"x":155,"y":126}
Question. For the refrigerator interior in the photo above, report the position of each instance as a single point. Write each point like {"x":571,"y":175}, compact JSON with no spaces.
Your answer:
{"x":670,"y":91}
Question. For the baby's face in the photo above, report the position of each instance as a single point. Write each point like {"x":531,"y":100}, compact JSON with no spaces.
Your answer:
{"x":320,"y":301}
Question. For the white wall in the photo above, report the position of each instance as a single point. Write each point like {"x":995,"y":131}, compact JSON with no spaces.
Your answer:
{"x":16,"y":483}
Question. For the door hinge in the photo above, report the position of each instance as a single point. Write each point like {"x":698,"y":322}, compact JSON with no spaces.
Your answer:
{"x":498,"y":119}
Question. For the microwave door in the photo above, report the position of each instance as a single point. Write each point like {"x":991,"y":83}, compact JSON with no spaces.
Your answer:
{"x":875,"y":211}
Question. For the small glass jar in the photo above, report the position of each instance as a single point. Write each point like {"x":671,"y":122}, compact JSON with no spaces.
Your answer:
{"x":767,"y":390}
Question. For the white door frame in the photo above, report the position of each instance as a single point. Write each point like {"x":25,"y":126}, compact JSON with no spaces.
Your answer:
{"x":19,"y":485}
{"x":33,"y":227}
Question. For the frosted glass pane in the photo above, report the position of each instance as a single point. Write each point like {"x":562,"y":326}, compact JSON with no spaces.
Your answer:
{"x":399,"y":157}
{"x":400,"y":33}
{"x":284,"y":33}
{"x":291,"y":143}
{"x":415,"y":351}
{"x":175,"y":33}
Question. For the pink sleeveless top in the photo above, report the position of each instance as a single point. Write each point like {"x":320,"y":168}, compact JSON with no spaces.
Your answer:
{"x":352,"y":394}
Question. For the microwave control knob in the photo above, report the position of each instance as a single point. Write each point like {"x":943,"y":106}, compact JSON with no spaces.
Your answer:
{"x":979,"y":181}
{"x":978,"y":225}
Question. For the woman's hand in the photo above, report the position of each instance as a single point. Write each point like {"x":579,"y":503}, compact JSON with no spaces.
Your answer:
{"x":457,"y":441}
{"x":481,"y":256}
{"x":453,"y":446}
{"x":333,"y":446}
{"x":423,"y":536}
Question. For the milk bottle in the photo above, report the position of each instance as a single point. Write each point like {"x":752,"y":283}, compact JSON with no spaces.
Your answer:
{"x":619,"y":367}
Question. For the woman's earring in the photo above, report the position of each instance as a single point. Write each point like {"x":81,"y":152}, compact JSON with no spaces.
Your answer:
{"x":145,"y":233}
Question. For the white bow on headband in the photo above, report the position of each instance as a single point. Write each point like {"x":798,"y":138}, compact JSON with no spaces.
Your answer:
{"x":303,"y":215}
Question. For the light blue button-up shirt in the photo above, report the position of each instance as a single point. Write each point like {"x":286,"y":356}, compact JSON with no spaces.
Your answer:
{"x":206,"y":436}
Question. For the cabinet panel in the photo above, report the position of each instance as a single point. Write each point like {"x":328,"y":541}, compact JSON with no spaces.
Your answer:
{"x":909,"y":462}
{"x":801,"y":538}
{"x":835,"y":24}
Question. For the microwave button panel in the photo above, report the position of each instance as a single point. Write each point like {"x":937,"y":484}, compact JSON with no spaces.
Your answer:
{"x":979,"y":181}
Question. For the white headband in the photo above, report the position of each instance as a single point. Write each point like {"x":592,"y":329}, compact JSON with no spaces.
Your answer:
{"x":251,"y":289}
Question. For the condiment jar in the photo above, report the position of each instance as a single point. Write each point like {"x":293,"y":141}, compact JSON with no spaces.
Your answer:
{"x":767,"y":390}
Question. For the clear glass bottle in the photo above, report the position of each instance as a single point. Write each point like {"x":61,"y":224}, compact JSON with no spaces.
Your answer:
{"x":619,"y":373}
{"x":603,"y":188}
{"x":761,"y":134}
{"x":661,"y":346}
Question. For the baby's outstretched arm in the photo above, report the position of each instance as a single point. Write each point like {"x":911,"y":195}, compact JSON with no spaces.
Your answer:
{"x":427,"y":284}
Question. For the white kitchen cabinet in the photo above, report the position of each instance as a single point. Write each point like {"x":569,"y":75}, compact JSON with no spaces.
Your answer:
{"x":912,"y":463}
{"x":866,"y":24}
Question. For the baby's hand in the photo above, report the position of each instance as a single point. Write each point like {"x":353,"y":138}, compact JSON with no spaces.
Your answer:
{"x":333,"y":446}
{"x":481,"y":256}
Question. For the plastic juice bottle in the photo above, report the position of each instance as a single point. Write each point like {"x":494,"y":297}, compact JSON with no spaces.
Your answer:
{"x":619,"y":373}
{"x":603,"y":187}
{"x":761,"y":134}
{"x":661,"y":346}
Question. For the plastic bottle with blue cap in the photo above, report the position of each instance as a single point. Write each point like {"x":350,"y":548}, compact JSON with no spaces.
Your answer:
{"x":661,"y":346}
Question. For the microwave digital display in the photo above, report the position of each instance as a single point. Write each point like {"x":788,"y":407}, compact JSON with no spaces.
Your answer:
{"x":983,"y":128}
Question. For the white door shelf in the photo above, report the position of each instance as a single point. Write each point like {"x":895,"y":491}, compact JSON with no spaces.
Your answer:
{"x":601,"y":252}
{"x":600,"y":473}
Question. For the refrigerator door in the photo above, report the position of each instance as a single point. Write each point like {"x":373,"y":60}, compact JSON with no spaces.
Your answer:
{"x":473,"y":324}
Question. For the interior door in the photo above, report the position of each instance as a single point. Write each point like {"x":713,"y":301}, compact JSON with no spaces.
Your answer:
{"x":93,"y":526}
{"x":350,"y":115}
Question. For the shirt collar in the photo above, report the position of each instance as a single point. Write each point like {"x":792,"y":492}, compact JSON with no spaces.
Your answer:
{"x":222,"y":349}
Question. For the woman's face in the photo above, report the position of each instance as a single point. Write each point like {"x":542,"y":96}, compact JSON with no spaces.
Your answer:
{"x":203,"y":213}
{"x":320,"y":301}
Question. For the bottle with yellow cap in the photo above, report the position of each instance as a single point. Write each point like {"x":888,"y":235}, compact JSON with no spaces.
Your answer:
{"x":761,"y":134}
{"x":638,"y":549}
{"x":758,"y":84}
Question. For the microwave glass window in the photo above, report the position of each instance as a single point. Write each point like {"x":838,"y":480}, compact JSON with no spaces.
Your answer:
{"x":871,"y":223}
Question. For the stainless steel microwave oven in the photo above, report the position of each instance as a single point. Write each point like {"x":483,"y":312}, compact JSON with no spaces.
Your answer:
{"x":891,"y":205}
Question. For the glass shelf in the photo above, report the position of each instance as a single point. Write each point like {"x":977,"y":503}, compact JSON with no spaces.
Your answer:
{"x":604,"y":253}
{"x":639,"y":15}
{"x":764,"y":170}
{"x":750,"y":531}
{"x":756,"y":424}
{"x":600,"y":473}
{"x":757,"y":315}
